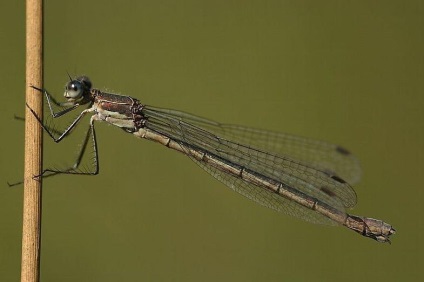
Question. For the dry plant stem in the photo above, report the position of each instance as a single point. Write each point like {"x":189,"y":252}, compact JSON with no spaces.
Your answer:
{"x":31,"y":231}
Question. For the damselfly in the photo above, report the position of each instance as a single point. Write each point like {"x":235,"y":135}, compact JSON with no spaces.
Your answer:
{"x":301,"y":177}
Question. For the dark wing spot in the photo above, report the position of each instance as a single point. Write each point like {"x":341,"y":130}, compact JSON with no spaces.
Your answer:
{"x":328,"y":191}
{"x":338,"y":179}
{"x":342,"y":151}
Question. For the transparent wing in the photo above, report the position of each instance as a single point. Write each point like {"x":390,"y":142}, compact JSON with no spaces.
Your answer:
{"x":322,"y":155}
{"x":234,"y":144}
{"x":265,"y":197}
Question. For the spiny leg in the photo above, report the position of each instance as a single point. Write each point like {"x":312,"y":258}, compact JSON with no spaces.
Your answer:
{"x":67,"y":130}
{"x":74,"y":168}
{"x":61,"y":135}
{"x":66,"y":107}
{"x":90,"y":135}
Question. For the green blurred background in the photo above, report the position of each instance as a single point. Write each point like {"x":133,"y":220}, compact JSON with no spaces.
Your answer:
{"x":346,"y":71}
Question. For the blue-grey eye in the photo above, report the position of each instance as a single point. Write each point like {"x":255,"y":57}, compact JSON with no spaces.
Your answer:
{"x":73,"y":90}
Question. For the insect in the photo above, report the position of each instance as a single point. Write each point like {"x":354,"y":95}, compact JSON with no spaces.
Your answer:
{"x":298,"y":176}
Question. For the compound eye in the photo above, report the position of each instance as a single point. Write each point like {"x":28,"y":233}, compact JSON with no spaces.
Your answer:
{"x":73,"y":90}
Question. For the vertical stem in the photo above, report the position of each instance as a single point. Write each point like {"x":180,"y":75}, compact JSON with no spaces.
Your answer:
{"x":31,"y":231}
